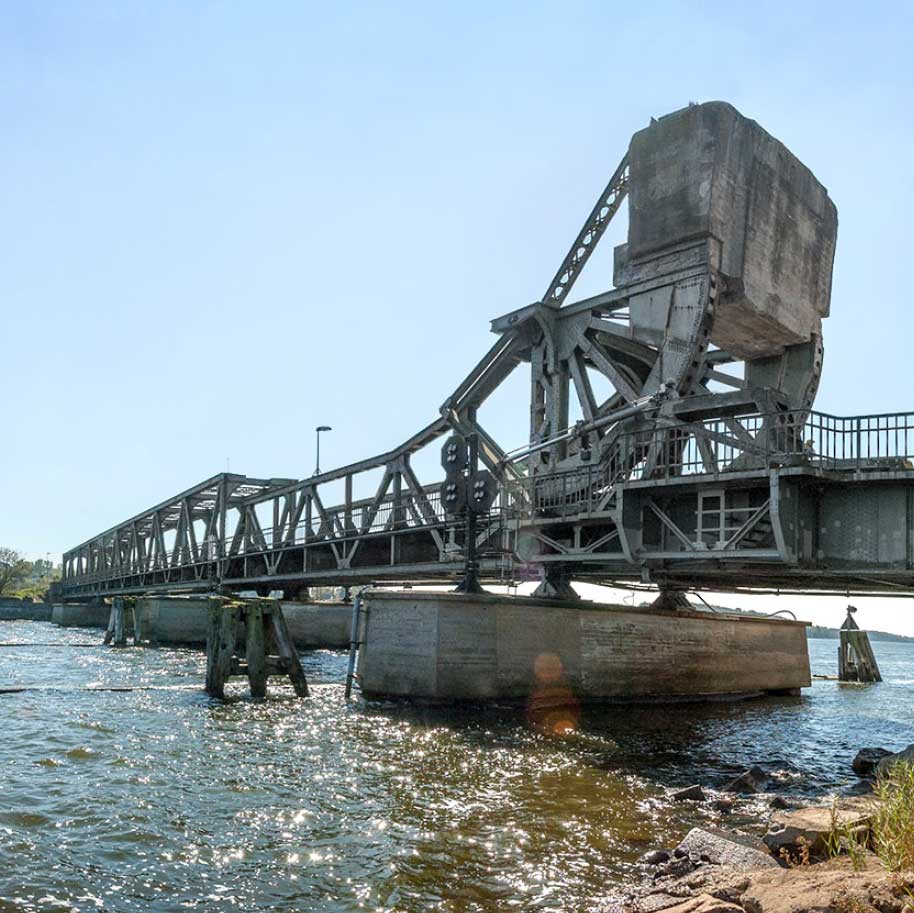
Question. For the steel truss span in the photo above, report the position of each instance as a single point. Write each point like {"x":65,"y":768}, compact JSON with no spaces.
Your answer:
{"x":672,"y":439}
{"x":796,"y":502}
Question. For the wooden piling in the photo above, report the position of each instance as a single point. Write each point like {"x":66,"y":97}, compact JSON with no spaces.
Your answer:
{"x":120,"y":628}
{"x":221,"y":635}
{"x":856,"y":660}
{"x":267,"y":650}
{"x":139,"y":624}
{"x":256,"y":649}
{"x":288,"y":655}
{"x":109,"y":631}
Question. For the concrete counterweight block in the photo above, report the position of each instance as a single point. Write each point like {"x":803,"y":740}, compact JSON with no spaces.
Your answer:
{"x":707,"y":176}
{"x":442,"y":647}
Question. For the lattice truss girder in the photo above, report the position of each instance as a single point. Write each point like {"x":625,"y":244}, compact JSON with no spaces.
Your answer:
{"x":651,"y":334}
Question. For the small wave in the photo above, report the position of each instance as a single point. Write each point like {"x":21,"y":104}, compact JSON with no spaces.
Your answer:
{"x":24,"y":819}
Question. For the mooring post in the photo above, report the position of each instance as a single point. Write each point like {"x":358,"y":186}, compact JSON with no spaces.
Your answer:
{"x":221,"y":634}
{"x":856,"y":660}
{"x":353,"y":643}
{"x":120,"y":632}
{"x":140,"y":635}
{"x":289,"y":662}
{"x":109,"y":631}
{"x":255,"y":648}
{"x":268,"y":648}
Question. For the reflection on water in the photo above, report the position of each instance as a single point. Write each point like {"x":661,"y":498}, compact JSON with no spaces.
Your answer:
{"x":159,"y":799}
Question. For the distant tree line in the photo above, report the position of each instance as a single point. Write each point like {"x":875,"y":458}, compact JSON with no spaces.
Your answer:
{"x":817,"y":632}
{"x":25,"y":579}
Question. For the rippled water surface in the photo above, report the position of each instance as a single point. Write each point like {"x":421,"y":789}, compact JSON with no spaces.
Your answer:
{"x":159,"y":799}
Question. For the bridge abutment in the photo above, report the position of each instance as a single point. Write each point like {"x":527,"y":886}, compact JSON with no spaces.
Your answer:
{"x":468,"y":647}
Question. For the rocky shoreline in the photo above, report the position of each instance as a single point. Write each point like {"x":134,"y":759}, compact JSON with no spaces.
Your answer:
{"x":812,"y":857}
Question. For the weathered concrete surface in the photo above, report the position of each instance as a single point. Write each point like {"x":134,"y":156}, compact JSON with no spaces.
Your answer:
{"x":24,"y":610}
{"x":80,"y":615}
{"x":318,"y":625}
{"x":706,"y":175}
{"x":182,"y":620}
{"x":434,"y":646}
{"x":176,"y":620}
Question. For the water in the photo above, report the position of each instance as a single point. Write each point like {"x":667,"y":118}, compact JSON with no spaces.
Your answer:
{"x":159,"y":799}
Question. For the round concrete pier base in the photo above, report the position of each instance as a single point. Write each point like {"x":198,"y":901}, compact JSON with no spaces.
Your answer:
{"x":440,"y":647}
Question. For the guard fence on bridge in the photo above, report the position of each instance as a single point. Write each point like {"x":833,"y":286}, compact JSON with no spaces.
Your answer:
{"x":234,"y":529}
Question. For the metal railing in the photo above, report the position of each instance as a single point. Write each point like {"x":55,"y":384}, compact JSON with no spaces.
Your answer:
{"x":721,"y":445}
{"x":395,"y":514}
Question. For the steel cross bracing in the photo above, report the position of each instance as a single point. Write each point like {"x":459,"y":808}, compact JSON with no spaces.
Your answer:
{"x":714,"y":506}
{"x":700,"y":467}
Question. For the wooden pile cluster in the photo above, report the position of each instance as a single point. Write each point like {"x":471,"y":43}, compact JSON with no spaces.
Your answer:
{"x":251,"y":638}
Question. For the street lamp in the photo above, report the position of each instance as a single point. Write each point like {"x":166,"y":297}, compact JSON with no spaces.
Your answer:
{"x":319,"y":429}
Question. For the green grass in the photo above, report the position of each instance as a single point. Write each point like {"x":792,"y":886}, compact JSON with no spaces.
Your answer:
{"x":893,"y":823}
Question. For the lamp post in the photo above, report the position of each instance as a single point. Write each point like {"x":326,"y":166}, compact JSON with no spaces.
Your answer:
{"x":318,"y":430}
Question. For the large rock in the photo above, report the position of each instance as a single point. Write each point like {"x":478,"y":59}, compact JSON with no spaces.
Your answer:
{"x":886,"y":764}
{"x":716,"y":846}
{"x":831,"y":886}
{"x":867,"y":760}
{"x":654,"y":857}
{"x":811,"y":826}
{"x":689,"y":794}
{"x":704,"y":903}
{"x":754,"y":780}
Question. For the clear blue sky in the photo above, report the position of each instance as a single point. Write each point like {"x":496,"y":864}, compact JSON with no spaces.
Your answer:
{"x":226,"y":223}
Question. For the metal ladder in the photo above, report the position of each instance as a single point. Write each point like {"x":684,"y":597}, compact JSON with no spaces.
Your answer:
{"x":356,"y":633}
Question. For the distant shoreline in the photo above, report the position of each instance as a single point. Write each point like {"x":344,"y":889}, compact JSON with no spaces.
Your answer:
{"x":816,"y":632}
{"x":820,"y":632}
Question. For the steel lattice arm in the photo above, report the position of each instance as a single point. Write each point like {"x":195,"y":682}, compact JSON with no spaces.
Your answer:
{"x":607,"y":206}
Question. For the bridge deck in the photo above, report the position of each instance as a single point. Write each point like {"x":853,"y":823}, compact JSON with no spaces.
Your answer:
{"x":827,"y":504}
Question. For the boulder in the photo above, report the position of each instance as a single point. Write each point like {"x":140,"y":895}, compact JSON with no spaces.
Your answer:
{"x":676,"y":867}
{"x":884,"y":767}
{"x":716,"y":846}
{"x":829,"y":886}
{"x":860,"y":788}
{"x":654,"y":857}
{"x":867,"y":761}
{"x":753,"y":780}
{"x":690,"y":793}
{"x":704,"y":903}
{"x":811,"y":826}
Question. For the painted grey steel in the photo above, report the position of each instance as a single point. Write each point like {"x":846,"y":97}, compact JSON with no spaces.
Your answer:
{"x":704,"y":466}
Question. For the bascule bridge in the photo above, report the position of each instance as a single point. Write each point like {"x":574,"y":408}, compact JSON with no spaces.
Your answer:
{"x":705,"y":466}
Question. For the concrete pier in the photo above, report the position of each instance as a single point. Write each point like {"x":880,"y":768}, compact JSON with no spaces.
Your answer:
{"x":182,"y":621}
{"x":80,"y":615}
{"x":24,"y":610}
{"x":441,"y":647}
